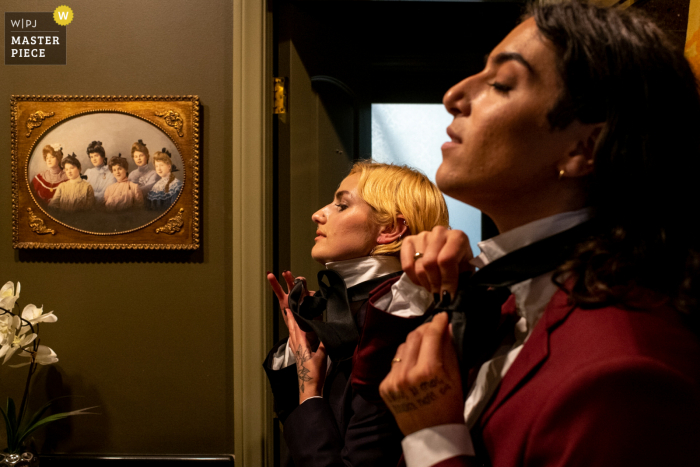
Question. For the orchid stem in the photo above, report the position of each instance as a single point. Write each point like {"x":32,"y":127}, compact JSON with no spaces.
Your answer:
{"x":23,"y":406}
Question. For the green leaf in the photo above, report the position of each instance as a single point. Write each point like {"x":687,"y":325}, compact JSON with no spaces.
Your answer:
{"x":37,"y":415}
{"x":51,"y":418}
{"x":11,"y":411}
{"x":12,"y":416}
{"x":8,"y":427}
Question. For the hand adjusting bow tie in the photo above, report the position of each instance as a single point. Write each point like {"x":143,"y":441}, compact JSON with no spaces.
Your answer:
{"x":339,"y":332}
{"x":475,"y":311}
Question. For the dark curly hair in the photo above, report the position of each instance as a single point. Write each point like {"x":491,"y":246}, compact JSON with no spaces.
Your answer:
{"x":618,"y":68}
{"x":120,"y":161}
{"x":71,"y":159}
{"x":96,"y":147}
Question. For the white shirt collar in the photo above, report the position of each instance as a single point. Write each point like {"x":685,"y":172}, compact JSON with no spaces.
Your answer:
{"x":357,"y":270}
{"x":522,"y":236}
{"x":531,"y":295}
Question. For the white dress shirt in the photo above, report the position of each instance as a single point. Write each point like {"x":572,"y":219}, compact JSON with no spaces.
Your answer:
{"x":435,"y":444}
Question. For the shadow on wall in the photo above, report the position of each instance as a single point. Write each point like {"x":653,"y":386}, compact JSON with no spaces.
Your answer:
{"x":72,"y":432}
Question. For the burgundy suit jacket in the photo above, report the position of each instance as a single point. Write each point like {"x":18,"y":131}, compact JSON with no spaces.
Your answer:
{"x":596,"y":387}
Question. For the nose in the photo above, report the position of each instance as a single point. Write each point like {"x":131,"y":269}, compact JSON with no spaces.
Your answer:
{"x":457,"y":100}
{"x":319,"y":216}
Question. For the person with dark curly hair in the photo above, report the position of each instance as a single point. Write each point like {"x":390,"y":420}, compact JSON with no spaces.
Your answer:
{"x":99,"y":175}
{"x":579,"y":139}
{"x":76,"y":194}
{"x":122,"y":195}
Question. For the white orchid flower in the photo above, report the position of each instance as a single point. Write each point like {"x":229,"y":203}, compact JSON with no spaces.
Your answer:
{"x":43,"y":356}
{"x":9,"y":348}
{"x":7,"y":331}
{"x":35,"y":315}
{"x":9,"y":324}
{"x":8,"y":296}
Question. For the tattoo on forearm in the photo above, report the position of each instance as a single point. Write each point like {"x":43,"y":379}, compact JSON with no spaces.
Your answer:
{"x":303,"y":372}
{"x":421,"y":395}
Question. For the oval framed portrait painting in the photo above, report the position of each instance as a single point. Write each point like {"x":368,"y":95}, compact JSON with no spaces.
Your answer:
{"x":105,"y":172}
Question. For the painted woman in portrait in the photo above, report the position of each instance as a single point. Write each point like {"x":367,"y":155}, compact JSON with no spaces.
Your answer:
{"x":99,"y":176}
{"x":123,"y":194}
{"x":76,"y":194}
{"x":46,"y":182}
{"x":165,"y":191}
{"x":144,"y":175}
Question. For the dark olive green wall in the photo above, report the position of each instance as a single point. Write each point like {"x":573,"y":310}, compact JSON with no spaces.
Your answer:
{"x":144,"y":335}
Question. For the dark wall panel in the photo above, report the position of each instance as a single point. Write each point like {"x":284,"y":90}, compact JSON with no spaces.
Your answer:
{"x":146,"y":336}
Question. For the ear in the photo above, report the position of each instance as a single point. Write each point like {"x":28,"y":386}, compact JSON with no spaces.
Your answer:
{"x":580,"y":160}
{"x":392,"y":232}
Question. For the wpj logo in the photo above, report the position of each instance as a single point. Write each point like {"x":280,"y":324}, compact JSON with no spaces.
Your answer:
{"x":36,"y":38}
{"x":23,"y":23}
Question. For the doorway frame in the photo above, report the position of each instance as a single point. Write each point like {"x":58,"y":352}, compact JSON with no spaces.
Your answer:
{"x":252,"y":234}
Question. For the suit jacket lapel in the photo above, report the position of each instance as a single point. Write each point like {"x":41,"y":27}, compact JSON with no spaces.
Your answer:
{"x":533,"y":354}
{"x":359,"y":293}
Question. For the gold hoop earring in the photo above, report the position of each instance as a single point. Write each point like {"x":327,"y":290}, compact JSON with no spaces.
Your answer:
{"x":561,"y":174}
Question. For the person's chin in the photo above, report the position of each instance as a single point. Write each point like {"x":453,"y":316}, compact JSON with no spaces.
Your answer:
{"x":318,"y":256}
{"x":445,"y":179}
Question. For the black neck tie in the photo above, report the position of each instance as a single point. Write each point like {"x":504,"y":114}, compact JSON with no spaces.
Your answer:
{"x":475,"y":312}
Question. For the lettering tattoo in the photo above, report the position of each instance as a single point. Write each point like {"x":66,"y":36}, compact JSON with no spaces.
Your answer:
{"x":303,"y":372}
{"x":417,"y":396}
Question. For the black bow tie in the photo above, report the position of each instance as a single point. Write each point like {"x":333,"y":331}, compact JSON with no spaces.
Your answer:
{"x":338,"y":333}
{"x":475,"y":311}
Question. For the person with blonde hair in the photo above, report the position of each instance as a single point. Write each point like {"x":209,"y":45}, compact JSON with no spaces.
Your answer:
{"x":359,"y":237}
{"x":46,"y":182}
{"x":166,"y":190}
{"x":396,"y":192}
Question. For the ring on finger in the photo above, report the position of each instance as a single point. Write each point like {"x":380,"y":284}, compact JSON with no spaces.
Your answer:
{"x":417,"y":255}
{"x":396,"y":360}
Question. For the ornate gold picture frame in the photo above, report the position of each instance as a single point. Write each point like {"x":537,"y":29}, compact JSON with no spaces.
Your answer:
{"x":105,"y":172}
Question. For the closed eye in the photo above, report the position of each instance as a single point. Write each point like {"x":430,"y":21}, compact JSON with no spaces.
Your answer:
{"x":500,"y":87}
{"x":341,"y":207}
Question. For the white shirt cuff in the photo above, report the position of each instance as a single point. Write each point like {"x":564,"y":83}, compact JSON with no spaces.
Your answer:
{"x":429,"y":446}
{"x":283,"y":358}
{"x":406,"y":299}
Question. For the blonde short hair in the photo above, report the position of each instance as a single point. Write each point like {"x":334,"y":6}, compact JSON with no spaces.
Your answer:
{"x":391,"y":190}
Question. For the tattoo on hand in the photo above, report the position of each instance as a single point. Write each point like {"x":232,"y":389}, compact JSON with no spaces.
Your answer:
{"x":421,"y":395}
{"x":303,"y":372}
